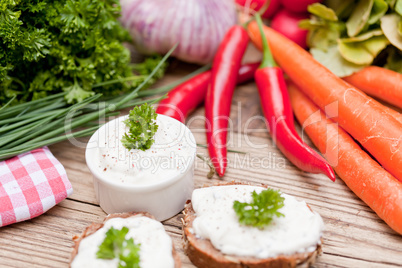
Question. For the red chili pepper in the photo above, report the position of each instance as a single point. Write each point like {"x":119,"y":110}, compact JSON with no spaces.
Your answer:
{"x":246,"y":72}
{"x":186,"y":97}
{"x":277,"y":109}
{"x":218,"y":100}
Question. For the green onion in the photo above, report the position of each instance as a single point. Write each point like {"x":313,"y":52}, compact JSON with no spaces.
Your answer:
{"x":49,"y":120}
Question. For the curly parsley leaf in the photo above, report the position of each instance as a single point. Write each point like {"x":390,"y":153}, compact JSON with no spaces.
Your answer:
{"x":74,"y":46}
{"x":261,"y":211}
{"x":116,"y":245}
{"x":130,"y":257}
{"x":142,"y":128}
{"x":112,"y":243}
{"x":147,"y":66}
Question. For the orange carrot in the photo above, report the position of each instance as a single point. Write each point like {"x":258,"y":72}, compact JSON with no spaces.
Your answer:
{"x":379,"y":82}
{"x":379,"y":132}
{"x":392,"y":112}
{"x":363,"y":175}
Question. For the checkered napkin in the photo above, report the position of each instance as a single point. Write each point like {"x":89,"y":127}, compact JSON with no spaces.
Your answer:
{"x":31,"y":184}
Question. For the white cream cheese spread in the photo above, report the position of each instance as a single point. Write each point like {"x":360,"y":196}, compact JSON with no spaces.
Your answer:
{"x":299,"y":231}
{"x":155,"y":250}
{"x":171,"y":154}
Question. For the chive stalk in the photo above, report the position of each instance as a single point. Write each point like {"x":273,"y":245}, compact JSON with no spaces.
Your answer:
{"x":42,"y":122}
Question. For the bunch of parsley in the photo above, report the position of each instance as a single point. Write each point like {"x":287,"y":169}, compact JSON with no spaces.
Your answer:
{"x":71,"y":46}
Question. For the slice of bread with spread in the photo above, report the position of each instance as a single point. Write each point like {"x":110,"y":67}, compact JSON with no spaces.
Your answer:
{"x":156,"y":246}
{"x":214,"y":237}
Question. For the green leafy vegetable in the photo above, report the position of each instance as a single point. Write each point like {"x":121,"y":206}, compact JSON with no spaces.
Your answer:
{"x":130,"y":258}
{"x":359,"y":17}
{"x":342,"y":9}
{"x":322,"y":33}
{"x":146,"y":67}
{"x":398,"y":7}
{"x":391,"y":3}
{"x":394,"y":60}
{"x":48,"y":47}
{"x":261,"y":211}
{"x":142,"y":128}
{"x":389,"y":25}
{"x":362,"y":52}
{"x":312,"y":24}
{"x":326,"y":36}
{"x":322,"y":11}
{"x":333,"y":60}
{"x":112,"y":244}
{"x":361,"y":35}
{"x":400,"y":26}
{"x":379,"y":9}
{"x":116,"y":245}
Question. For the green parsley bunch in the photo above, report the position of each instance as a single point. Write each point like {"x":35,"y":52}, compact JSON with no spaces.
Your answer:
{"x":75,"y":46}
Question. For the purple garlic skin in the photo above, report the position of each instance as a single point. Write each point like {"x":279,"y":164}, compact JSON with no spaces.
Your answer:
{"x":197,"y":26}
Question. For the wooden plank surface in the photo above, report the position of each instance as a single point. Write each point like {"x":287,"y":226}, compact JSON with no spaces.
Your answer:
{"x":354,"y":235}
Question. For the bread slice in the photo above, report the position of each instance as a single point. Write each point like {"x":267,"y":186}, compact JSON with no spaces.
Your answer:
{"x":203,"y":254}
{"x":91,"y":229}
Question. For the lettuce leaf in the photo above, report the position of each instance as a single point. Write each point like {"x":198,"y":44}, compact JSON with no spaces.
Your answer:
{"x":380,"y":7}
{"x":389,"y":25}
{"x":333,"y":60}
{"x":394,"y":60}
{"x":322,"y":11}
{"x":359,"y":17}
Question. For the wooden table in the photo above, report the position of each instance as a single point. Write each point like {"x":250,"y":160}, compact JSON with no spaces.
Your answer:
{"x":354,"y":235}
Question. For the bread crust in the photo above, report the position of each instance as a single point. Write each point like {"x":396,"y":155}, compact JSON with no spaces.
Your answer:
{"x":91,"y":229}
{"x":203,"y":254}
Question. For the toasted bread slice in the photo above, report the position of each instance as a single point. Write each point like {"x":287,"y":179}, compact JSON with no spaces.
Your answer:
{"x":91,"y":229}
{"x":203,"y":254}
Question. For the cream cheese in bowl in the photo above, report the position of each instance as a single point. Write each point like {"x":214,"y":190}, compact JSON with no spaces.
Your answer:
{"x":158,"y":180}
{"x":169,"y":155}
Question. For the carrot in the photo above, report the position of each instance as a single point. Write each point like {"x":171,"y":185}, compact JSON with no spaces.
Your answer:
{"x":364,"y":176}
{"x":392,"y":112}
{"x":365,"y":119}
{"x":380,"y":83}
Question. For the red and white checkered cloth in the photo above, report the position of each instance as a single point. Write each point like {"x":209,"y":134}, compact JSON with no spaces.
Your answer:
{"x":31,"y":184}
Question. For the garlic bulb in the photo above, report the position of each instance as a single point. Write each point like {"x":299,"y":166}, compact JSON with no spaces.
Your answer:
{"x":198,"y":26}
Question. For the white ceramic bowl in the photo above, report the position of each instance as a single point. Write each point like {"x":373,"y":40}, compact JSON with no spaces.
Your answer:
{"x":163,"y":199}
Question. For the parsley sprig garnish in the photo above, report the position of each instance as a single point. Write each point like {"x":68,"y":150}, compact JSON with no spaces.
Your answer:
{"x":142,"y":128}
{"x":261,"y":210}
{"x":115,"y":245}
